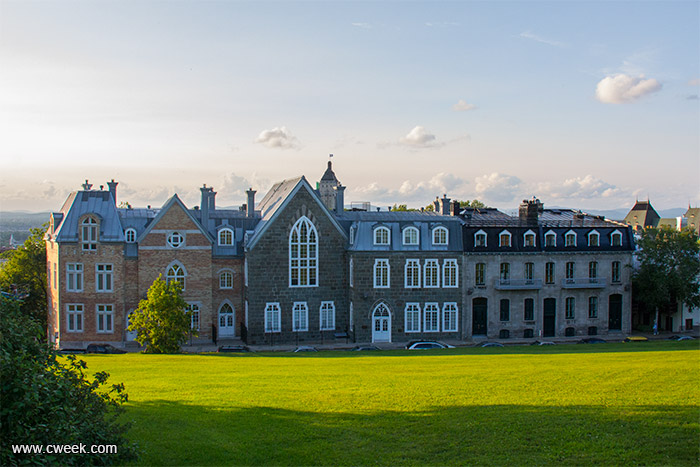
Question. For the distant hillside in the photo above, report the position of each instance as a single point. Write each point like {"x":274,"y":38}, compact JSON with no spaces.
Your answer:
{"x":17,"y":224}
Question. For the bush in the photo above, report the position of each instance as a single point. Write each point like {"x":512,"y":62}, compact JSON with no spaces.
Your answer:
{"x":44,"y":401}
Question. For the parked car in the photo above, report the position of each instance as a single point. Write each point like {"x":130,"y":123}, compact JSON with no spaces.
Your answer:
{"x":103,"y":348}
{"x":233,"y":348}
{"x":71,"y":351}
{"x":362,"y":348}
{"x":592,"y":340}
{"x":685,"y":338}
{"x":426,"y":345}
{"x":635,"y":339}
{"x":543,"y":343}
{"x":491,"y":344}
{"x":305,"y":348}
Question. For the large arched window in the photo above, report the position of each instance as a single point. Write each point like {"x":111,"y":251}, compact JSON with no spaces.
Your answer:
{"x":176,"y":273}
{"x":303,"y":254}
{"x":410,"y":236}
{"x":440,"y":236}
{"x":225,"y":237}
{"x":381,"y":236}
{"x":226,"y":280}
{"x":130,"y":235}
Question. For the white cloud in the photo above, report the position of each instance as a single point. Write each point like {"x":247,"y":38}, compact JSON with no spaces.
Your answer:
{"x":579,"y":188}
{"x":279,"y":138}
{"x":415,"y":194}
{"x":497,"y":187}
{"x":536,"y":38}
{"x":420,"y":138}
{"x":234,"y":187}
{"x":462,"y":106}
{"x":623,"y":88}
{"x":362,"y":25}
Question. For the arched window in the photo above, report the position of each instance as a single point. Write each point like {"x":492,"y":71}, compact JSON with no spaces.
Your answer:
{"x":225,"y":237}
{"x":616,"y":238}
{"x":529,"y":238}
{"x":410,"y":236}
{"x":480,"y":238}
{"x":440,"y":236}
{"x":593,"y":238}
{"x":130,"y":235}
{"x":504,"y":239}
{"x":176,"y":273}
{"x":381,"y":236}
{"x":550,"y":239}
{"x":303,"y":254}
{"x":225,"y":316}
{"x":89,"y":234}
{"x":570,"y":238}
{"x":225,"y":280}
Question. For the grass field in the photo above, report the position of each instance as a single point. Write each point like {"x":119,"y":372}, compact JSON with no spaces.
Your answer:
{"x":587,"y":404}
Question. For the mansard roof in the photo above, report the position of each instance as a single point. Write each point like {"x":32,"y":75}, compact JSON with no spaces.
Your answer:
{"x":644,"y":213}
{"x":96,"y":202}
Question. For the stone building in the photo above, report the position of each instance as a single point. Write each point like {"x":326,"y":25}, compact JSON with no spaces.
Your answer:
{"x":299,"y":268}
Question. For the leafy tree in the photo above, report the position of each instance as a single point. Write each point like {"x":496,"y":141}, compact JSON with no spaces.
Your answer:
{"x":45,"y":401}
{"x":475,"y":203}
{"x":25,"y":272}
{"x":669,"y":269}
{"x":401,"y":207}
{"x":162,"y":321}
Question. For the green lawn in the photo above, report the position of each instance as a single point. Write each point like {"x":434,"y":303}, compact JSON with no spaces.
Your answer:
{"x":574,"y":404}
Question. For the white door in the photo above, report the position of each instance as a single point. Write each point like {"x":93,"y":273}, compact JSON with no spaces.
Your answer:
{"x":227,"y":323}
{"x":130,"y":335}
{"x":381,"y":324}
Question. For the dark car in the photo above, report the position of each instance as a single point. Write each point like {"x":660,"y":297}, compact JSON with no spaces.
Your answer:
{"x":491,"y":344}
{"x":362,"y":348}
{"x":427,"y":345}
{"x":592,"y":340}
{"x":233,"y":348}
{"x":103,"y":348}
{"x":685,"y":338}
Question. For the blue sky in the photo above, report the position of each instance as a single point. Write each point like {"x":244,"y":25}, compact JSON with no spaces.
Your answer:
{"x":583,"y":104}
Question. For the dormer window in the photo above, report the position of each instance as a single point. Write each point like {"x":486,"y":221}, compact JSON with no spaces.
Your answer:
{"x":410,"y":236}
{"x":225,"y":237}
{"x":480,"y":238}
{"x":570,"y":238}
{"x":89,"y":234}
{"x":381,"y":236}
{"x":504,"y":239}
{"x":440,"y":236}
{"x":593,"y":238}
{"x":616,"y":238}
{"x":550,"y":239}
{"x":176,"y":240}
{"x":529,"y":239}
{"x":130,"y":235}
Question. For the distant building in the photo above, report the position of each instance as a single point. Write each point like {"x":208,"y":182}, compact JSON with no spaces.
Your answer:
{"x":642,"y":216}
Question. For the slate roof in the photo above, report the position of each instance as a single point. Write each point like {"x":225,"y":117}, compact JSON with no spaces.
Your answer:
{"x":642,"y":214}
{"x":329,"y":175}
{"x":99,"y":203}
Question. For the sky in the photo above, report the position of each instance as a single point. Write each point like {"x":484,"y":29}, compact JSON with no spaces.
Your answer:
{"x":586,"y":105}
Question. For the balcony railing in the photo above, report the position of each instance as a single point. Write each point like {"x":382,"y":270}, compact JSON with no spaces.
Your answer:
{"x":518,"y":284}
{"x":584,"y":283}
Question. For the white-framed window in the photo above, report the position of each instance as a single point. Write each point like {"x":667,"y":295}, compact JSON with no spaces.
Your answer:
{"x":550,"y":239}
{"x":480,"y":238}
{"x":570,"y":308}
{"x":431,"y":315}
{"x":103,"y":278}
{"x":431,"y":273}
{"x":175,"y":240}
{"x":303,"y":254}
{"x":529,"y":238}
{"x":593,"y":238}
{"x":570,"y":238}
{"x":194,"y":317}
{"x":353,"y":229}
{"x":505,"y":272}
{"x":616,"y":238}
{"x":381,"y":273}
{"x":449,"y":273}
{"x":381,"y":235}
{"x":105,"y":318}
{"x":327,"y":316}
{"x":225,"y":237}
{"x":130,"y":235}
{"x":89,"y":234}
{"x":440,"y":236}
{"x":74,"y":277}
{"x":410,"y":236}
{"x":412,"y":274}
{"x":300,"y":317}
{"x":504,"y":239}
{"x":480,"y":274}
{"x":272,"y":317}
{"x":412,"y":317}
{"x":449,"y":317}
{"x":352,"y":273}
{"x":74,"y":317}
{"x":177,"y":273}
{"x":225,"y":280}
{"x":615,"y":270}
{"x":570,"y":271}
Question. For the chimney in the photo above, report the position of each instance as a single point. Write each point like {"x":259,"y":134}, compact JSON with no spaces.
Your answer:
{"x":204,"y":205}
{"x":212,"y":200}
{"x":113,"y":189}
{"x":250,"y":206}
{"x":87,"y":186}
{"x":445,"y":205}
{"x":339,"y":199}
{"x":530,"y":210}
{"x":436,"y":204}
{"x":455,"y":208}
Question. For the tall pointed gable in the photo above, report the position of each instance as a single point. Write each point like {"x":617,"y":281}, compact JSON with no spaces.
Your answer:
{"x":174,"y":215}
{"x":278,"y":198}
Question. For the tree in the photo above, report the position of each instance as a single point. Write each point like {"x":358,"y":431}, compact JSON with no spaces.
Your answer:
{"x":25,"y":273}
{"x":162,"y":321}
{"x":475,"y":203}
{"x":45,"y":401}
{"x":669,"y":269}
